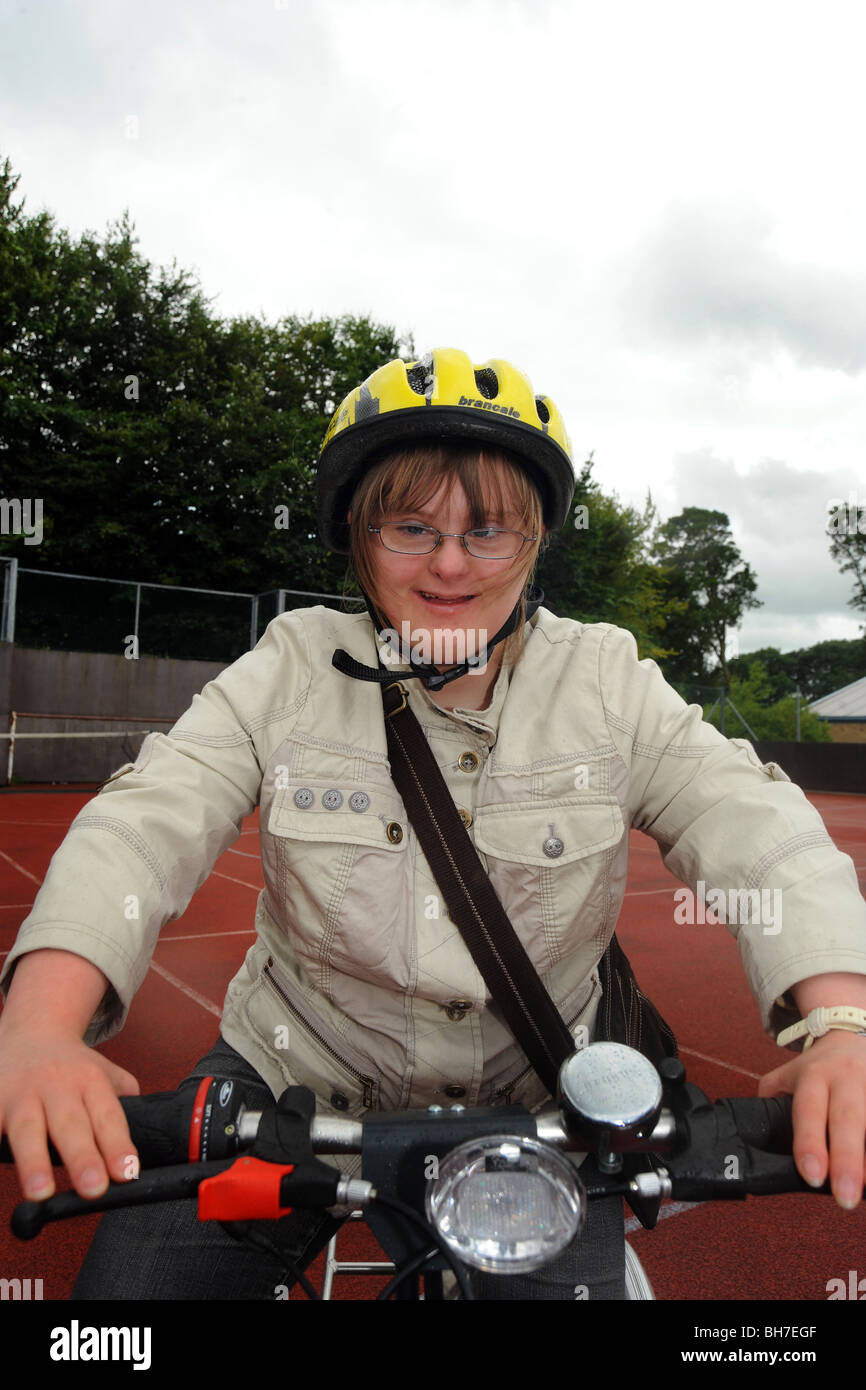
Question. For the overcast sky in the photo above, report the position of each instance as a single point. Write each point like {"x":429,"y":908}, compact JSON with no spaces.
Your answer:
{"x":658,"y":211}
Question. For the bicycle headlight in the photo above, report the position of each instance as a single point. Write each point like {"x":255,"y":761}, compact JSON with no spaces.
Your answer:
{"x":506,"y":1204}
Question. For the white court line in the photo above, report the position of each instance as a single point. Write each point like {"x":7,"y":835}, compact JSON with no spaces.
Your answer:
{"x":646,"y":892}
{"x":690,"y":1052}
{"x":216,"y":874}
{"x":200,"y":935}
{"x":243,"y":853}
{"x":7,"y":907}
{"x":21,"y":870}
{"x":190,"y":993}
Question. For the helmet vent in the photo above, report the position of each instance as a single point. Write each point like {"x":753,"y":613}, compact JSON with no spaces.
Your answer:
{"x":487,"y":382}
{"x":543,"y":412}
{"x":420,"y":376}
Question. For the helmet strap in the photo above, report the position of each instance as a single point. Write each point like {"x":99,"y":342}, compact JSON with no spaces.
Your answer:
{"x":431,"y":677}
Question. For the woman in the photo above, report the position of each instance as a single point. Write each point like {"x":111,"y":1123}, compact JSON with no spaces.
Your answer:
{"x":553,"y":740}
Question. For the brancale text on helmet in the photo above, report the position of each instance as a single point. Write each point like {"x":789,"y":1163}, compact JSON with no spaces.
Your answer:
{"x":489,"y":405}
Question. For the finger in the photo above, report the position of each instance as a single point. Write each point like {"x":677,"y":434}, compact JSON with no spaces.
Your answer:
{"x":70,"y":1128}
{"x":26,"y":1132}
{"x":847,"y":1124}
{"x":809,"y":1114}
{"x":111,"y":1131}
{"x":776,"y":1082}
{"x":123,"y":1083}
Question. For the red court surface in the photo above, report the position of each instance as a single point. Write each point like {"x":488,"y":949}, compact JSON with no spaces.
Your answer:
{"x":775,"y":1248}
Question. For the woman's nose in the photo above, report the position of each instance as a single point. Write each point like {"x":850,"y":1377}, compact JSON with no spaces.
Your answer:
{"x":450,"y":556}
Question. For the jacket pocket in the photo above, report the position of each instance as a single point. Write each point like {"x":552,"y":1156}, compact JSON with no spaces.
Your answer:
{"x":343,"y":880}
{"x":551,"y":864}
{"x":520,"y":833}
{"x":307,"y":1051}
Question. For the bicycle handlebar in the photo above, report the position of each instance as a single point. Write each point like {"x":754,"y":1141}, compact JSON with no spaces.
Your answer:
{"x":721,"y":1151}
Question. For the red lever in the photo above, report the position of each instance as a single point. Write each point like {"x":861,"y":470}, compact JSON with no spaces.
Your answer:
{"x":248,"y":1191}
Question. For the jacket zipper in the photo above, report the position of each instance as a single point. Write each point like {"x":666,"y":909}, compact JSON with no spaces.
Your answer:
{"x":367,"y":1082}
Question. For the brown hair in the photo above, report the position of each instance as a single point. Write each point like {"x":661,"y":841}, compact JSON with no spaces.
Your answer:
{"x":494,"y":483}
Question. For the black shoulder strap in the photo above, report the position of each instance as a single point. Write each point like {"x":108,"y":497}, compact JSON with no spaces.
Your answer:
{"x":493,"y":943}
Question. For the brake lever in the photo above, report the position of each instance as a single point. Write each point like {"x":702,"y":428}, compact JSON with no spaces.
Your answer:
{"x":157,"y":1185}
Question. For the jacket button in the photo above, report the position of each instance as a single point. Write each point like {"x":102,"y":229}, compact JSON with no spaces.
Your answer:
{"x":332,"y":800}
{"x":303,"y":798}
{"x":457,"y":1008}
{"x":465,"y":816}
{"x":553,"y":847}
{"x":394,"y":832}
{"x":359,"y":801}
{"x":455,"y":1091}
{"x":339,"y":1101}
{"x":468,"y":762}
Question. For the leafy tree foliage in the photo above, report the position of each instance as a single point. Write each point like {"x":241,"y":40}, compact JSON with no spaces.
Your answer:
{"x":847,"y":528}
{"x":161,"y":438}
{"x":596,"y":569}
{"x":707,"y":575}
{"x":817,"y":670}
{"x":766,"y":717}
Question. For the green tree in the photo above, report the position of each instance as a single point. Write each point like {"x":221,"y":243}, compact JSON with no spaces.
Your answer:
{"x":817,"y":670}
{"x":706,"y":573}
{"x":766,"y":717}
{"x":847,"y":529}
{"x":596,"y":569}
{"x":161,"y":438}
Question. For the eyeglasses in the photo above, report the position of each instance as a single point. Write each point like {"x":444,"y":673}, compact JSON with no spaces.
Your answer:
{"x":485,"y":543}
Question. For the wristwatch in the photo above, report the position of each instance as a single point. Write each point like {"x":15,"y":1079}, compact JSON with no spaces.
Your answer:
{"x":821,"y":1021}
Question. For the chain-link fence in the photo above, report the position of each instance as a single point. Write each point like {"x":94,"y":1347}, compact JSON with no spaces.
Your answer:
{"x":75,"y":612}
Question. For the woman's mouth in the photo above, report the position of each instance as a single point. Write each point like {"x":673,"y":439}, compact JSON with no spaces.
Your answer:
{"x":445,"y":600}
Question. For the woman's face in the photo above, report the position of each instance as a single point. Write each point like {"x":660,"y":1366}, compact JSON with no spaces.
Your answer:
{"x":447,"y":591}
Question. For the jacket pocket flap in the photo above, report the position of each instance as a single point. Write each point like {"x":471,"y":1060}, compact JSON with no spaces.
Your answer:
{"x":520,"y":833}
{"x":381,"y":823}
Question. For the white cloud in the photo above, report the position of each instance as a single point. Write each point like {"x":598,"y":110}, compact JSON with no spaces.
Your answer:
{"x":654,"y":210}
{"x":708,"y":277}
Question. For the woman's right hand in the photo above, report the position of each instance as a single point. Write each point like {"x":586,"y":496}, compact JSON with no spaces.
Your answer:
{"x":52,"y":1085}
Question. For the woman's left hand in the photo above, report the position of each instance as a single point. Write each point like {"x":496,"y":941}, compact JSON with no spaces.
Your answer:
{"x":828,"y":1083}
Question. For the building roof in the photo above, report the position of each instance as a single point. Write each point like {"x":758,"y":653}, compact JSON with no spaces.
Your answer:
{"x":847,"y":703}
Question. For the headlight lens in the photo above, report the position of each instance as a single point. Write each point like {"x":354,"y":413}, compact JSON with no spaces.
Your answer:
{"x":506,"y":1204}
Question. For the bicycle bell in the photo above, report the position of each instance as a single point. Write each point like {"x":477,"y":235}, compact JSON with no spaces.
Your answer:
{"x":609,"y":1088}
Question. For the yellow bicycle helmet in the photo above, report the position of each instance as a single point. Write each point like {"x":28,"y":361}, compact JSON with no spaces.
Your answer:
{"x":442,"y":396}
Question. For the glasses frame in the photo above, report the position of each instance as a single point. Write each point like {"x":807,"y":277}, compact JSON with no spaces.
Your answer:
{"x":455,"y":535}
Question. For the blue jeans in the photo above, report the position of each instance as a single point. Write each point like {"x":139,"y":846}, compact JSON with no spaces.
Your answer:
{"x":164,"y":1252}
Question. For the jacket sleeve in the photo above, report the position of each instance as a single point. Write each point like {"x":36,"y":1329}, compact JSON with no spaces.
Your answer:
{"x":135,"y":855}
{"x":726,"y":822}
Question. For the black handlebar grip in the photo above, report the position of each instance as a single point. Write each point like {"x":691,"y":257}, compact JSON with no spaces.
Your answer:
{"x":158,"y":1124}
{"x":27,"y":1220}
{"x":764,"y":1124}
{"x":198,"y":1121}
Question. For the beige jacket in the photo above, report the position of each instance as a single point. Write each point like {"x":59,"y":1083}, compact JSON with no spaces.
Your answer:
{"x":359,"y":985}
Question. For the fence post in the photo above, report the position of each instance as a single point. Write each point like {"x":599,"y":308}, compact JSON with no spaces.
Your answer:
{"x":10,"y":591}
{"x":13,"y":720}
